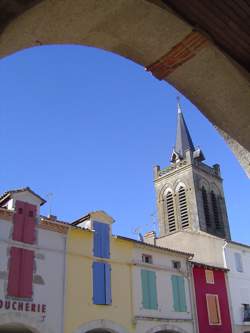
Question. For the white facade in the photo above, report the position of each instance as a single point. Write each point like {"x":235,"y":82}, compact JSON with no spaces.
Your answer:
{"x":237,"y":259}
{"x":43,"y":313}
{"x":165,"y":317}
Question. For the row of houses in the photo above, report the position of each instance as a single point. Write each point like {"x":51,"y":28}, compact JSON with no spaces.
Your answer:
{"x":78,"y":277}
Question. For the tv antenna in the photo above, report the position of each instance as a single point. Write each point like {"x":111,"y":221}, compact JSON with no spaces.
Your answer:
{"x":49,"y":197}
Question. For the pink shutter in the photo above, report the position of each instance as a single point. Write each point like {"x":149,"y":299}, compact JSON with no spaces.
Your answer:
{"x":29,"y":224}
{"x":26,"y":275}
{"x":18,"y":221}
{"x":14,"y":271}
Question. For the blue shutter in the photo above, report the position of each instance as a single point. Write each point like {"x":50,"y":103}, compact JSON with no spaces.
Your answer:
{"x":105,"y":241}
{"x":97,"y":239}
{"x":108,"y":283}
{"x":101,"y":240}
{"x":99,"y":290}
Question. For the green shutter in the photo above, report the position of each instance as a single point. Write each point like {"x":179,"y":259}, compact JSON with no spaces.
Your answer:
{"x":182,"y":294}
{"x":179,"y":295}
{"x":174,"y":279}
{"x":145,"y":293}
{"x":152,"y":290}
{"x":149,"y":292}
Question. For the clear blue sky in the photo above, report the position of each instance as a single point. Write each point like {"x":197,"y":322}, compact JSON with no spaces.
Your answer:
{"x":89,"y":126}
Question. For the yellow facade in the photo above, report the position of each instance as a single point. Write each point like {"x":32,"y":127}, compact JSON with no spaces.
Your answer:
{"x":79,"y":308}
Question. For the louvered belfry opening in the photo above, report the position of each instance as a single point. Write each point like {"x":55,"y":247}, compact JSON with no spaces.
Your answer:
{"x":206,"y":207}
{"x":215,"y":211}
{"x":171,"y":212}
{"x":184,"y":219}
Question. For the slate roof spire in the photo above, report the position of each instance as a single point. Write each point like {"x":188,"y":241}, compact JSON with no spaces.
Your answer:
{"x":183,"y":139}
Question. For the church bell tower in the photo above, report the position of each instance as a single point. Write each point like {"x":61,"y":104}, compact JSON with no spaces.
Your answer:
{"x":190,"y":193}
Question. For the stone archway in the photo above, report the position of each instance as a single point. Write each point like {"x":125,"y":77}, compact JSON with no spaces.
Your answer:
{"x":145,"y":31}
{"x":21,"y":323}
{"x":167,"y":328}
{"x":101,"y":326}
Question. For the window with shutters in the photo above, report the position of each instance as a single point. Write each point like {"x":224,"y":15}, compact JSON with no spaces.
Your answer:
{"x":206,"y":207}
{"x":101,"y":240}
{"x":214,"y":201}
{"x":238,"y":262}
{"x":21,"y":264}
{"x":101,"y":283}
{"x":149,"y":290}
{"x":183,"y":208}
{"x":179,"y":293}
{"x":24,"y":224}
{"x":209,"y":276}
{"x":213,"y":309}
{"x":170,"y":208}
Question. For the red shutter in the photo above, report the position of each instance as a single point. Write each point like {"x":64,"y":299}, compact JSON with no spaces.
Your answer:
{"x":29,"y":224}
{"x":18,"y":221}
{"x":26,"y":274}
{"x":14,"y":271}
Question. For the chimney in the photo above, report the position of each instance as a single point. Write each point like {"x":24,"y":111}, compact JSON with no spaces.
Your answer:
{"x":150,"y":237}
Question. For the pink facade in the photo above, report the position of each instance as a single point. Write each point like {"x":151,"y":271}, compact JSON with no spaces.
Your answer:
{"x":206,"y":292}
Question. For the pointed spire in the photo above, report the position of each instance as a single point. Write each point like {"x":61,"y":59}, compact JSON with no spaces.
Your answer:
{"x":183,"y":139}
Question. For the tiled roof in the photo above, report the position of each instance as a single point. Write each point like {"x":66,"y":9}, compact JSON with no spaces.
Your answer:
{"x":7,"y":194}
{"x":208,"y":265}
{"x":239,"y":244}
{"x":155,"y":246}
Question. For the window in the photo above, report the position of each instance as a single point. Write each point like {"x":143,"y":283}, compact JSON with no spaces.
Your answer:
{"x":179,"y":294}
{"x":206,"y":206}
{"x":246,"y":312}
{"x":238,"y":262}
{"x":176,"y":264}
{"x":20,"y":277}
{"x":101,"y":240}
{"x":149,"y":291}
{"x":214,"y":201}
{"x":147,"y":258}
{"x":170,"y":212}
{"x":209,"y":276}
{"x":24,"y":228}
{"x":183,"y":208}
{"x":213,"y":309}
{"x":101,"y":283}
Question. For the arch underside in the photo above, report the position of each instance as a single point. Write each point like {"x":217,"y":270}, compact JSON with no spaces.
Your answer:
{"x":12,"y":322}
{"x":14,"y":328}
{"x":143,"y":31}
